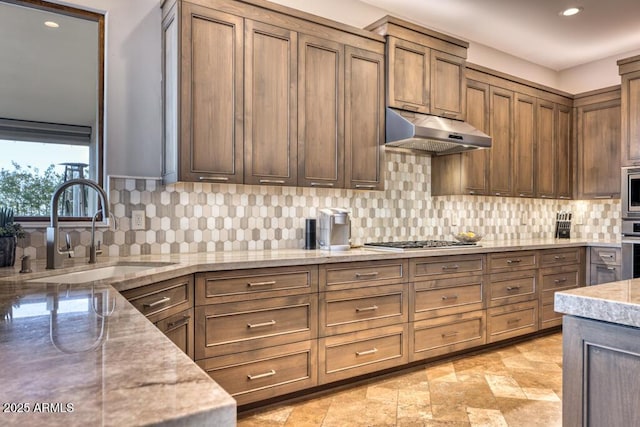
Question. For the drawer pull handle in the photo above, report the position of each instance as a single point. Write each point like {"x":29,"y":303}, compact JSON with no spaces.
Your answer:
{"x":611,"y":268}
{"x":449,"y":335}
{"x":513,"y":288}
{"x":260,"y":325}
{"x":183,"y":321}
{"x":265,"y":375}
{"x":410,"y":107}
{"x":513,"y":261}
{"x":256,"y":284}
{"x":214,"y":178}
{"x":607,"y":256}
{"x":366,"y":352}
{"x":372,"y":308}
{"x":446,"y":297}
{"x":511,"y":321}
{"x":361,"y":275}
{"x":559,"y":257}
{"x":271,"y":181}
{"x":564,"y":279}
{"x":156,"y":303}
{"x":368,"y":186}
{"x":322,"y":184}
{"x":450,"y":267}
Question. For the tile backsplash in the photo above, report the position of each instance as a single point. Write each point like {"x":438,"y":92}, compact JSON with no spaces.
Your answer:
{"x":198,"y":217}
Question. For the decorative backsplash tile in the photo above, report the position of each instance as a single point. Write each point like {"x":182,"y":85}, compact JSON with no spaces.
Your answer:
{"x":198,"y":217}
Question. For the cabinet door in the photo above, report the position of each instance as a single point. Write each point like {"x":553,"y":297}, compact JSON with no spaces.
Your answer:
{"x":599,"y":150}
{"x":563,"y":164}
{"x":320,"y":113}
{"x":546,"y":150}
{"x":447,"y":85}
{"x":502,"y":142}
{"x":270,"y":118}
{"x":364,"y":119}
{"x":630,"y":122}
{"x":408,"y":75}
{"x":524,"y":153}
{"x":212,"y":110}
{"x":475,"y":163}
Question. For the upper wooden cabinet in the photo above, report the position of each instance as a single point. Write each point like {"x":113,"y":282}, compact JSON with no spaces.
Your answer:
{"x":597,"y":124}
{"x":425,"y":69}
{"x":546,"y":150}
{"x":501,"y":152}
{"x":630,"y":110}
{"x":270,"y":116}
{"x":249,"y":96}
{"x":203,"y":95}
{"x":564,"y":149}
{"x":524,"y":150}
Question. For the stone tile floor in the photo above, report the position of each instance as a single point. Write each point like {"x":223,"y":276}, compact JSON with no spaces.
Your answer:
{"x":519,"y":385}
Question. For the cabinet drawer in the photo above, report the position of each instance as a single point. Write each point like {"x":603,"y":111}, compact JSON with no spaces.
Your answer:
{"x":162,"y":299}
{"x":447,"y":334}
{"x":439,"y":297}
{"x":425,"y":267}
{"x":356,"y":309}
{"x":238,"y":285}
{"x":510,"y":261}
{"x":359,"y":274}
{"x":560,"y":277}
{"x":232,"y":327}
{"x":601,"y":273}
{"x":512,"y":320}
{"x":179,"y":329}
{"x":559,"y":256}
{"x":508,"y":288}
{"x":357,"y":353}
{"x":261,"y":374}
{"x":605,"y":255}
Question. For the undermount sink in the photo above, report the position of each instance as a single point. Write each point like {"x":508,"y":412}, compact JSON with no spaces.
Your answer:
{"x":100,"y":273}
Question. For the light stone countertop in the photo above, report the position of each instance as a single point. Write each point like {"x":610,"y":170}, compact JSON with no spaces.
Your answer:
{"x":615,"y":302}
{"x":133,"y":374}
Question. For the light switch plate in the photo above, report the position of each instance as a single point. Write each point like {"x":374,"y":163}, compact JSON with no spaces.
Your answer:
{"x":137,"y":220}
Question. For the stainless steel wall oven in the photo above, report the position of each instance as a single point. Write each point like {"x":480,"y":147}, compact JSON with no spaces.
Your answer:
{"x":630,"y":193}
{"x":630,"y":249}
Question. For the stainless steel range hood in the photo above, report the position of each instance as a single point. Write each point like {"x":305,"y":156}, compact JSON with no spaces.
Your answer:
{"x":432,"y":134}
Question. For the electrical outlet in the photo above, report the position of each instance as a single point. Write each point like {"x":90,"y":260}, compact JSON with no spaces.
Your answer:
{"x":137,"y":220}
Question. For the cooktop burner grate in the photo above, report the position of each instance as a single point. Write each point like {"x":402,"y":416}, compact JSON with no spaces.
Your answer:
{"x":416,"y":245}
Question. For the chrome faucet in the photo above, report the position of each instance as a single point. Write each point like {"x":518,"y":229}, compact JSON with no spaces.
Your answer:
{"x":54,"y":254}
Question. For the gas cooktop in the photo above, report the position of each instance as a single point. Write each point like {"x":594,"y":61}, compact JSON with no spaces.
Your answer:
{"x":410,"y":245}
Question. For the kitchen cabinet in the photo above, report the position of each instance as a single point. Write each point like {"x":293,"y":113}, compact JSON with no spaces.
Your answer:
{"x":597,"y":123}
{"x":629,"y":69}
{"x":203,"y":95}
{"x":467,"y":172}
{"x":598,"y":384}
{"x":546,"y":150}
{"x":256,"y":330}
{"x":563,"y":166}
{"x":560,"y":269}
{"x":321,"y":113}
{"x":169,"y":305}
{"x":425,"y":69}
{"x":270,"y":116}
{"x":261,"y":94}
{"x":604,"y":265}
{"x":364,"y":122}
{"x":524,"y":147}
{"x":501,"y":153}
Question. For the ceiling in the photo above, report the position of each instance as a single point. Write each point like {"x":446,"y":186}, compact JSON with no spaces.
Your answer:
{"x":532,"y":29}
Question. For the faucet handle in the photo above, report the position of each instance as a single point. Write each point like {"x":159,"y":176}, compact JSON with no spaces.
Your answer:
{"x":98,"y":249}
{"x":68,"y":249}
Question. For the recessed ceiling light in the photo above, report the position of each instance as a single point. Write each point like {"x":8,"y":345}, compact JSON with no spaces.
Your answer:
{"x":51,"y":24}
{"x":570,"y":11}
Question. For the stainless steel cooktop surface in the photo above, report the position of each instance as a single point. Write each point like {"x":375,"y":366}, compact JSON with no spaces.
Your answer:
{"x":409,"y":245}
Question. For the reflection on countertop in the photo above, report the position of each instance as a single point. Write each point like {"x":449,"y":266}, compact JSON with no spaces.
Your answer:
{"x":78,"y":355}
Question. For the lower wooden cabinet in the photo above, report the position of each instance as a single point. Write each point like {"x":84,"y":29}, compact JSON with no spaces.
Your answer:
{"x":435,"y":337}
{"x":604,"y":265}
{"x":349,"y":355}
{"x":179,"y":329}
{"x":265,"y":373}
{"x":556,"y":279}
{"x":512,"y":320}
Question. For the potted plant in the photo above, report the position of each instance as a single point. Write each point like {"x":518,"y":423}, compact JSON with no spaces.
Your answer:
{"x":9,"y":233}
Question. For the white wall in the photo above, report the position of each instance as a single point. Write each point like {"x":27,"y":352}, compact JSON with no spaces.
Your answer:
{"x":133,"y":114}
